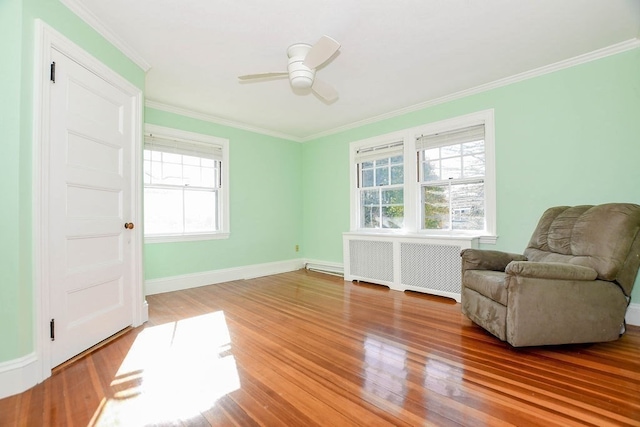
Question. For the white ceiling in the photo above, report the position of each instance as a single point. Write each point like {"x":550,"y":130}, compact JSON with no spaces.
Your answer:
{"x":394,"y":55}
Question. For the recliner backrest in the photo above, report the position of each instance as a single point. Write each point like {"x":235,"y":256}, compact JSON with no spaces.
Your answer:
{"x":604,"y":237}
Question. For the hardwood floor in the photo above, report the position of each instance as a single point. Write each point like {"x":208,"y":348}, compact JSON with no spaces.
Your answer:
{"x":305,"y":349}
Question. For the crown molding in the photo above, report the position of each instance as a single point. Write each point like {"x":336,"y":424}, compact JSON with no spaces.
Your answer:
{"x":561,"y":65}
{"x":217,"y":120}
{"x":92,"y":20}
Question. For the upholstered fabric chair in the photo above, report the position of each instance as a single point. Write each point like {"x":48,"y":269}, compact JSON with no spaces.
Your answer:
{"x":572,"y":285}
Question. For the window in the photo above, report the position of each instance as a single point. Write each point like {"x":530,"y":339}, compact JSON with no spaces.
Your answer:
{"x":436,"y":179}
{"x":451,"y":175}
{"x":185,"y":185}
{"x":380,"y":186}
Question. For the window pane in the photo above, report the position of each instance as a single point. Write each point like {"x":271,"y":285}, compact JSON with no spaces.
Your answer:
{"x":451,"y":168}
{"x":467,"y":206}
{"x":155,"y":172}
{"x":156,"y":155}
{"x":473,"y":147}
{"x":192,"y":176}
{"x":397,"y":174}
{"x":432,"y":154}
{"x":396,"y":160}
{"x":473,"y":165}
{"x":392,"y":216}
{"x":382,"y":176}
{"x":369,"y":197}
{"x":171,"y":158}
{"x":393,"y":197}
{"x":208,"y":177}
{"x":382,"y":162}
{"x":190,"y":160}
{"x":147,"y":155}
{"x":171,"y":174}
{"x":431,"y":170}
{"x":367,"y":165}
{"x":435,"y":203}
{"x":370,"y":217}
{"x":451,"y":150}
{"x":208,"y":163}
{"x":367,"y":178}
{"x":162,"y":210}
{"x":199,"y":211}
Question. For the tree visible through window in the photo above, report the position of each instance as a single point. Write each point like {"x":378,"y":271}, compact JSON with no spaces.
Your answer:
{"x":452,"y":170}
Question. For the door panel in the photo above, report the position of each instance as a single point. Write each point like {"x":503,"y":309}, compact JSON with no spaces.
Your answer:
{"x":90,"y":253}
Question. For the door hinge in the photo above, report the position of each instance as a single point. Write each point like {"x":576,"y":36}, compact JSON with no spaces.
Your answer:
{"x":52,"y":329}
{"x":53,"y":71}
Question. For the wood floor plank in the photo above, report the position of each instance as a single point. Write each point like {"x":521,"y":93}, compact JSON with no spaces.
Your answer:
{"x":307,"y":349}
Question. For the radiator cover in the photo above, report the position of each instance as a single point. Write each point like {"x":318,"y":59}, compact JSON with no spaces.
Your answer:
{"x":407,"y":262}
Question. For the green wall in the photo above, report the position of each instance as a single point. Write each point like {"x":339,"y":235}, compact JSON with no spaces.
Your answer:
{"x":17,"y":26}
{"x":566,"y":138}
{"x":265,"y":204}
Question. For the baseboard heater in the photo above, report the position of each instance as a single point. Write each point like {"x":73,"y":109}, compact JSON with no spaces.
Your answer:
{"x":407,"y":262}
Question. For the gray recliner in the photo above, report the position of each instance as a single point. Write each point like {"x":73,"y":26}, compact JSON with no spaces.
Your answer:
{"x":572,"y":285}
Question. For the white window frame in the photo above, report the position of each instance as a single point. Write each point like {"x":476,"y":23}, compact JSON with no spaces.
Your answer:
{"x":223,"y":190}
{"x":412,"y":206}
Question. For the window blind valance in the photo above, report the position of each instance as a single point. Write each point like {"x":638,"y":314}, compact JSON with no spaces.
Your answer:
{"x":187,"y":148}
{"x":458,"y":136}
{"x":369,"y":154}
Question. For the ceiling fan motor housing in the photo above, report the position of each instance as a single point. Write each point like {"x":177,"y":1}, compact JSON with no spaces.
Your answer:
{"x":300,"y":76}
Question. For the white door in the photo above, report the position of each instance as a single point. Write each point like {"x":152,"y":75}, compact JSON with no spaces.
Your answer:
{"x":89,"y":251}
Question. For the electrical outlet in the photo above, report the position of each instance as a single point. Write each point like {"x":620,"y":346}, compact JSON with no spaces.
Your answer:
{"x":297,"y":248}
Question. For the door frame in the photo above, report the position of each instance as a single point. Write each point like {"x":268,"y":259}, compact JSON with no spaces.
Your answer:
{"x":47,"y":39}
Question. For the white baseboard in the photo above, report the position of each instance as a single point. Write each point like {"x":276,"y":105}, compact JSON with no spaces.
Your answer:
{"x":187,"y":281}
{"x":633,"y":314}
{"x":18,"y":375}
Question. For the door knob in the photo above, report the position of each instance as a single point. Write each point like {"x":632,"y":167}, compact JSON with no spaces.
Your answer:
{"x":128,"y":225}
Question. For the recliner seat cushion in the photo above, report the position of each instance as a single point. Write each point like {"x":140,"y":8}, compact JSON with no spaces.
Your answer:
{"x":490,"y":284}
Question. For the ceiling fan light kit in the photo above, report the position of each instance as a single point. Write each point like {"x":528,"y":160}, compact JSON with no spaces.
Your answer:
{"x":304,"y":59}
{"x":300,"y":76}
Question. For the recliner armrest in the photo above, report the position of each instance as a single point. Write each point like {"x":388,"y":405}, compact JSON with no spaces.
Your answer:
{"x":551,"y":270}
{"x":483,"y":259}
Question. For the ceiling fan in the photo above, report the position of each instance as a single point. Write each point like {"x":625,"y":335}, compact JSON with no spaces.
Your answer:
{"x":304,"y":59}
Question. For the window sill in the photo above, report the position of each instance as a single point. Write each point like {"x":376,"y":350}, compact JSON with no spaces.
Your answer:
{"x":491,"y":240}
{"x":168,"y":238}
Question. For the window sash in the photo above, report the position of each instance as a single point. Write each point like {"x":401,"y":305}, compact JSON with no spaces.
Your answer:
{"x":451,"y":204}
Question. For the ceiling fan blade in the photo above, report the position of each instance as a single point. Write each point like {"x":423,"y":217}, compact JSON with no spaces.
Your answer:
{"x":321,"y":52}
{"x":324,"y":90}
{"x":262,"y":76}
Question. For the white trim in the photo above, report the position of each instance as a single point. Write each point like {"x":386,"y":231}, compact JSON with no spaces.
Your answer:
{"x":633,"y":314}
{"x":194,"y":280}
{"x":217,"y":120}
{"x":18,"y":375}
{"x":47,"y":39}
{"x":92,"y":20}
{"x":536,"y":72}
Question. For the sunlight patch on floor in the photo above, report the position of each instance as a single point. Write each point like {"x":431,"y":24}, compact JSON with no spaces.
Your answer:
{"x":172,"y":372}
